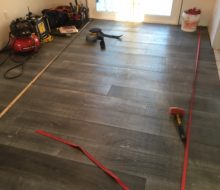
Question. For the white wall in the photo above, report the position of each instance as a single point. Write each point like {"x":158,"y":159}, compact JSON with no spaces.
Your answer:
{"x":214,"y":27}
{"x":205,"y":5}
{"x":216,"y":41}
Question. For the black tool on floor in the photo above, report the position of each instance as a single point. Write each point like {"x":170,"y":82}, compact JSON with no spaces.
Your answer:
{"x":178,"y":113}
{"x":96,"y":34}
{"x":99,"y":32}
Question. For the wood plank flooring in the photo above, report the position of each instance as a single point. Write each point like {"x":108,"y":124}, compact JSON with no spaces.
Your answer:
{"x":10,"y":88}
{"x":115,"y":104}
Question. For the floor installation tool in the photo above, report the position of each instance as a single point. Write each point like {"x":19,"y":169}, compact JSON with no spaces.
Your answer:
{"x":80,"y":14}
{"x":96,"y":34}
{"x":63,"y":15}
{"x":40,"y":26}
{"x":178,"y":114}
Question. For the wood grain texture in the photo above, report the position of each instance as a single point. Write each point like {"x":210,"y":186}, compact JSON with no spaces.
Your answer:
{"x":39,"y":171}
{"x":115,"y":104}
{"x":10,"y":88}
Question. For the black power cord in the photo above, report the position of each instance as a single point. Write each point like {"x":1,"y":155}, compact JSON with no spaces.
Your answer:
{"x":19,"y":58}
{"x":97,"y":34}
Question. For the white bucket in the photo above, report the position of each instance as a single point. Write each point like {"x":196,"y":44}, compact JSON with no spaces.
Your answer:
{"x":190,"y":22}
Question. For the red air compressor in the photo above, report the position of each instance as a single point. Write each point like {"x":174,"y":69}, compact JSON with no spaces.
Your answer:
{"x":22,"y":37}
{"x":23,"y":45}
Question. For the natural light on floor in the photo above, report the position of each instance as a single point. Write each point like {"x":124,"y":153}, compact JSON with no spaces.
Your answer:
{"x":134,"y":10}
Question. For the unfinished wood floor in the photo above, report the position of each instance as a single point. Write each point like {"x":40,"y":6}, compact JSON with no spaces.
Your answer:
{"x":115,"y":104}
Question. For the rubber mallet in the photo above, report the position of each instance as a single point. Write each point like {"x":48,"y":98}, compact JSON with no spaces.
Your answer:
{"x":178,"y":113}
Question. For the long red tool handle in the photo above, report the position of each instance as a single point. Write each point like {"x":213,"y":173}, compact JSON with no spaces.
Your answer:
{"x":88,"y":155}
{"x":189,"y":122}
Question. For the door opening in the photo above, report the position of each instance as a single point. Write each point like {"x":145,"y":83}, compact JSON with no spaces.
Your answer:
{"x":154,"y":11}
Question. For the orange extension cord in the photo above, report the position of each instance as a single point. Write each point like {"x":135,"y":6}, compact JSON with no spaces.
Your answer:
{"x":88,"y":155}
{"x":189,"y":122}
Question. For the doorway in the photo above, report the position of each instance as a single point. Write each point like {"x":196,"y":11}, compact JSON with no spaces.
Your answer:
{"x":151,"y":11}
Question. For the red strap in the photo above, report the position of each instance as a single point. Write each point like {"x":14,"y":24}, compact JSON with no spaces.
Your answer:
{"x":89,"y":156}
{"x":189,"y":122}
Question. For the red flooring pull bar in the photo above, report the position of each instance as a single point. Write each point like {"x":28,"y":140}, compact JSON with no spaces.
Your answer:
{"x":189,"y":122}
{"x":88,"y":155}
